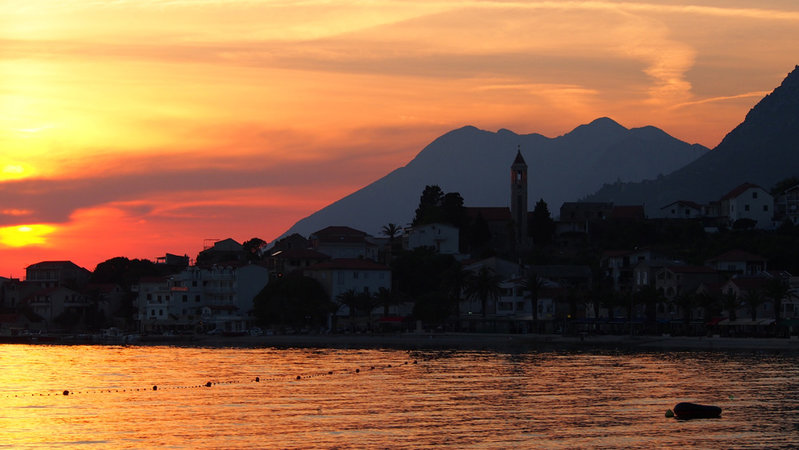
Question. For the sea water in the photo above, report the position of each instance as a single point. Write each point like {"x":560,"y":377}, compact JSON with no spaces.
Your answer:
{"x":189,"y":397}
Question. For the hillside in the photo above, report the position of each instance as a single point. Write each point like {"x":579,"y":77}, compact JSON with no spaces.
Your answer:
{"x":476,"y":163}
{"x":761,"y":150}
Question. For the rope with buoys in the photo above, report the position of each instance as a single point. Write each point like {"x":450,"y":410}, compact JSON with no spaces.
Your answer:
{"x":207,"y":384}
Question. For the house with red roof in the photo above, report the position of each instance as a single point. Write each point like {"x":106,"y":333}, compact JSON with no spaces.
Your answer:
{"x":683,"y":209}
{"x":748,"y":202}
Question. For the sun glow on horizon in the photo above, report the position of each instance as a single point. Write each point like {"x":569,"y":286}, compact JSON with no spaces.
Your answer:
{"x":25,"y":235}
{"x":171,"y":121}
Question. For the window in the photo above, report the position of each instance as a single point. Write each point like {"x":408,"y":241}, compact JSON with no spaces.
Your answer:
{"x":185,"y":299}
{"x":746,"y":207}
{"x":754,"y":194}
{"x":765,"y":208}
{"x":197,"y":298}
{"x":355,"y":275}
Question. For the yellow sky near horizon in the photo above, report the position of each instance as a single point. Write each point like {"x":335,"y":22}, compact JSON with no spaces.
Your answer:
{"x":146,"y":116}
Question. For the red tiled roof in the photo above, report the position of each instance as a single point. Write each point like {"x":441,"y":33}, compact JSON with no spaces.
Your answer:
{"x":739,"y":190}
{"x":687,"y":203}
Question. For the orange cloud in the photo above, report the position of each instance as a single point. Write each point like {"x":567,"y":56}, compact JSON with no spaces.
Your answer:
{"x":158,"y":121}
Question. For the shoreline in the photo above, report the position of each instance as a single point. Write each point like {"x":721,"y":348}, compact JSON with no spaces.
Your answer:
{"x":455,"y":341}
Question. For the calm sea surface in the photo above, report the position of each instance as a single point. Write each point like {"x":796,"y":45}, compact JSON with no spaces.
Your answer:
{"x":353,"y":399}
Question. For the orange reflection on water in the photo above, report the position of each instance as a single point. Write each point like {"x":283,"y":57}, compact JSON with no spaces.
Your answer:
{"x":450,"y":398}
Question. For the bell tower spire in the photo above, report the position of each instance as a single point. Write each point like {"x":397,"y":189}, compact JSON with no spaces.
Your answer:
{"x":518,"y":197}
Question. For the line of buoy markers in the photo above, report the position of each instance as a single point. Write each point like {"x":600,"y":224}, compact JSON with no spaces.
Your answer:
{"x":208,"y":384}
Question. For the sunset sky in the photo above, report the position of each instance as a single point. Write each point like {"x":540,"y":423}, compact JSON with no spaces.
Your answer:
{"x":136,"y":128}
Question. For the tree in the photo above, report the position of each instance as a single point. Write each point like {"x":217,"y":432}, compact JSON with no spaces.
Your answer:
{"x":360,"y":304}
{"x":429,"y":210}
{"x":252,"y":248}
{"x":649,"y":297}
{"x":293,"y":300}
{"x":391,"y":230}
{"x":124,"y":271}
{"x":385,"y":298}
{"x":753,"y":299}
{"x":730,"y":302}
{"x":686,"y":303}
{"x":479,"y":234}
{"x":777,"y":289}
{"x":784,"y":185}
{"x":542,"y":227}
{"x":483,"y":285}
{"x":452,"y":210}
{"x":453,"y":282}
{"x":533,"y":285}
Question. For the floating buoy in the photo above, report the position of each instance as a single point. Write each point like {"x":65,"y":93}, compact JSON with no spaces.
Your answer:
{"x":299,"y":377}
{"x":66,"y":392}
{"x":257,"y":379}
{"x":669,"y":413}
{"x":357,"y":370}
{"x":687,"y":410}
{"x":155,"y":388}
{"x":208,"y":384}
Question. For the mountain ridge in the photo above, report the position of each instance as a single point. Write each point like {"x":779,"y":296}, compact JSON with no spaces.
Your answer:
{"x":760,"y":150}
{"x":559,"y":169}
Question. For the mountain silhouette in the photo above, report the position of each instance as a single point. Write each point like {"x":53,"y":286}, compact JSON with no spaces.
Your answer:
{"x":763,"y":149}
{"x":476,"y":163}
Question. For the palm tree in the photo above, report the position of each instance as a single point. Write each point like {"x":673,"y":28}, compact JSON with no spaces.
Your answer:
{"x":385,"y":298}
{"x":390,"y":230}
{"x":686,"y":302}
{"x":730,"y":303}
{"x":349,"y":298}
{"x":533,"y":285}
{"x":453,"y":282}
{"x":483,"y":285}
{"x":777,"y":290}
{"x":754,"y":298}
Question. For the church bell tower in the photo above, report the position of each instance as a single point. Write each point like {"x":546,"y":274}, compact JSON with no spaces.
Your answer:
{"x":518,"y":197}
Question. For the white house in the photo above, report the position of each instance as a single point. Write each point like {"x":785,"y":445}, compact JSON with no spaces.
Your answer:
{"x":748,"y":201}
{"x":682,"y":209}
{"x":51,"y":303}
{"x":220,"y":296}
{"x":442,"y":237}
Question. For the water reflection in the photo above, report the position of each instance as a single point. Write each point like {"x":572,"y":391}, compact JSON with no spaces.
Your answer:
{"x":450,"y":398}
